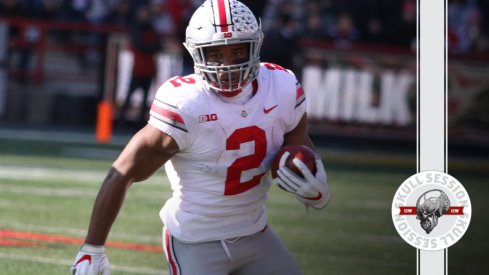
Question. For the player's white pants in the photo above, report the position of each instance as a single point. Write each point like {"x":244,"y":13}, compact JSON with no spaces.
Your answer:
{"x":261,"y":253}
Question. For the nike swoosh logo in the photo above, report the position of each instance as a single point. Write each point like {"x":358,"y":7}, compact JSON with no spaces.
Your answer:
{"x":266,"y":111}
{"x":316,"y":198}
{"x":84,"y":258}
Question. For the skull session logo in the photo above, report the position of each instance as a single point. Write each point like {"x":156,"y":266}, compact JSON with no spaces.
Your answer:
{"x":431,"y":210}
{"x":428,"y":210}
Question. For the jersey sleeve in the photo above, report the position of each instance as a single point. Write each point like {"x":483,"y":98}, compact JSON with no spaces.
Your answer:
{"x":167,"y":114}
{"x":298,"y":106}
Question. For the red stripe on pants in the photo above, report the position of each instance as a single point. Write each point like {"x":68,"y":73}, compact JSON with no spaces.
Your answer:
{"x":169,"y":250}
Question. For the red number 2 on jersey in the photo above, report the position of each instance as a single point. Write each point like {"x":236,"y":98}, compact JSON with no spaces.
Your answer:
{"x":178,"y":80}
{"x":234,"y":185}
{"x":274,"y":67}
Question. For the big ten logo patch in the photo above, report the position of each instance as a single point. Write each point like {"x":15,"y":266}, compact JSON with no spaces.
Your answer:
{"x":207,"y":118}
{"x":431,"y":210}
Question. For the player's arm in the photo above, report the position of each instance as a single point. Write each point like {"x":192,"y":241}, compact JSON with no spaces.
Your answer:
{"x":312,"y":190}
{"x":145,"y":153}
{"x":299,"y":135}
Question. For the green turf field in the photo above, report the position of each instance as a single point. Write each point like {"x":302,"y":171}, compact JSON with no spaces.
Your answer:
{"x":47,"y":190}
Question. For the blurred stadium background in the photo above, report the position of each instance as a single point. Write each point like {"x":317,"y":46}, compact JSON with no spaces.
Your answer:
{"x":356,"y":59}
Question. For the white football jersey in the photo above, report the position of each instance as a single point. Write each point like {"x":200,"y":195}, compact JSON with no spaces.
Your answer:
{"x":218,"y":177}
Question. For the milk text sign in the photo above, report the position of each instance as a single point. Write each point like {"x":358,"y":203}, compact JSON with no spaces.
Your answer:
{"x":431,"y":210}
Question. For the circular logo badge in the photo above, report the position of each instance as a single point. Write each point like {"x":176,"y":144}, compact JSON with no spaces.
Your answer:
{"x":431,"y":210}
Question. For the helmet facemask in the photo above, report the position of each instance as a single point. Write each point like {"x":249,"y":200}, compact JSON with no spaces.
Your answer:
{"x":236,"y":76}
{"x":203,"y":32}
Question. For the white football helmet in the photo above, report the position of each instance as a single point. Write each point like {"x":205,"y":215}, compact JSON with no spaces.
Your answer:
{"x":224,"y":22}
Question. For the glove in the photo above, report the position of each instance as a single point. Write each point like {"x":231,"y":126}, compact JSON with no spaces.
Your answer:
{"x":311,"y":190}
{"x":91,"y":260}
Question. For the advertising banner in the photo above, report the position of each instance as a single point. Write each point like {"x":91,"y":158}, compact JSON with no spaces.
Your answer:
{"x":355,"y":89}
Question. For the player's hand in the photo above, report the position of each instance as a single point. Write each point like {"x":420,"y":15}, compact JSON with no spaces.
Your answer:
{"x":91,"y":260}
{"x":311,"y":190}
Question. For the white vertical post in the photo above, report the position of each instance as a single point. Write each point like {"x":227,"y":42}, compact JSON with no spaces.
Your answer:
{"x":431,"y":108}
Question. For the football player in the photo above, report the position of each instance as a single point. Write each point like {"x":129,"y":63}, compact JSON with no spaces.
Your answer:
{"x":216,"y":132}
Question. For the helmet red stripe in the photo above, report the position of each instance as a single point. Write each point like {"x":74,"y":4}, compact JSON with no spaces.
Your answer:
{"x":223,"y":20}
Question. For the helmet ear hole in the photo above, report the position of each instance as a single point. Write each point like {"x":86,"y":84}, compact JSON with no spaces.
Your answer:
{"x":217,"y":23}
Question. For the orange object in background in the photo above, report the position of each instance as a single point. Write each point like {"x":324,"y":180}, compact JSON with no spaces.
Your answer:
{"x":104,"y":122}
{"x":105,"y":109}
